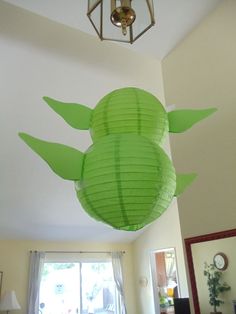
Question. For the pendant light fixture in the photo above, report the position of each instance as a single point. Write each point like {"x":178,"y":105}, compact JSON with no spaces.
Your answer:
{"x":121,"y":20}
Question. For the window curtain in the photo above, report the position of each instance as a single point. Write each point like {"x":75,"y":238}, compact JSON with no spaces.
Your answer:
{"x":117,"y":271}
{"x":35,"y":271}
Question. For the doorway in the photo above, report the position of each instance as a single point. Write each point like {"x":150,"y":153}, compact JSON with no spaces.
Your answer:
{"x":165,"y":280}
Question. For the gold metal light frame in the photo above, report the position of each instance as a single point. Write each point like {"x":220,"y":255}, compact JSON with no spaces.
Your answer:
{"x":133,"y":18}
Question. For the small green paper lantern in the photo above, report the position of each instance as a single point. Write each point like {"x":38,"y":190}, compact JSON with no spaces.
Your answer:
{"x":129,"y":110}
{"x":125,"y":179}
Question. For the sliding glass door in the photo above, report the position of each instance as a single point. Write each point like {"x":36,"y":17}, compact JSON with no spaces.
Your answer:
{"x":78,"y":288}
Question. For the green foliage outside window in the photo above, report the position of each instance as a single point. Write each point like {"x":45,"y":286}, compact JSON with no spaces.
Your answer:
{"x":48,"y":267}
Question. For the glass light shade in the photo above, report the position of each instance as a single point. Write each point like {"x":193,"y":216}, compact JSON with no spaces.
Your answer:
{"x":9,"y":302}
{"x":133,"y":18}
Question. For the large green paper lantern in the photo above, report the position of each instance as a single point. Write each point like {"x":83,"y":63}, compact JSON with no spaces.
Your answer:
{"x":126,"y":185}
{"x":125,"y":179}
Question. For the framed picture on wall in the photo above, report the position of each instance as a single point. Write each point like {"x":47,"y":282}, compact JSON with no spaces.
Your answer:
{"x":1,"y":275}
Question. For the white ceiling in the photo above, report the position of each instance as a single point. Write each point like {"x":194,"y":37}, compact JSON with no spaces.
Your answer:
{"x":175,"y":20}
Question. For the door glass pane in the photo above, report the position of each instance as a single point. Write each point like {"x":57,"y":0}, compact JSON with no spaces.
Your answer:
{"x":78,"y":288}
{"x":98,"y":289}
{"x":60,"y":289}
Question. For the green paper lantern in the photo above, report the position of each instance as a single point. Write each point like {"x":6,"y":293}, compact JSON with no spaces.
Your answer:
{"x":125,"y":179}
{"x":130,"y":110}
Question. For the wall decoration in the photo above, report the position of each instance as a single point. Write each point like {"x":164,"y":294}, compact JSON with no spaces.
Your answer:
{"x":125,"y":179}
{"x":220,"y":261}
{"x":143,"y":281}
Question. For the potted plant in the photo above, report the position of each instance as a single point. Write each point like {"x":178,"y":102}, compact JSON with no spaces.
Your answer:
{"x":215,"y":286}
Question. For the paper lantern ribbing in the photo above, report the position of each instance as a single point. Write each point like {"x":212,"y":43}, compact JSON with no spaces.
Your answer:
{"x":130,"y":110}
{"x":126,"y":186}
{"x":125,"y":179}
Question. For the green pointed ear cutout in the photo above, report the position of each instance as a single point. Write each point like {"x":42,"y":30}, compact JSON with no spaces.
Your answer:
{"x":182,"y":120}
{"x":65,"y":161}
{"x":182,"y":181}
{"x":76,"y":115}
{"x":80,"y":117}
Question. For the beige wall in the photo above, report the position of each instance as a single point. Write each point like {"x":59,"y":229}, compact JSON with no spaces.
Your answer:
{"x":204,"y":252}
{"x":163,"y":233}
{"x":40,"y":57}
{"x":199,"y":73}
{"x":14,"y":262}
